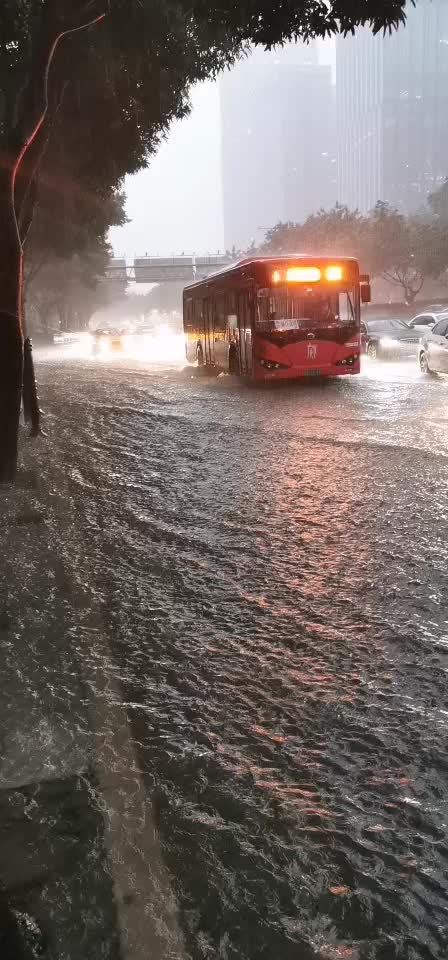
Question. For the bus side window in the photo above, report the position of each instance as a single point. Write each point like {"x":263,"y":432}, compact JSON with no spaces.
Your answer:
{"x":220,"y":315}
{"x":189,"y":314}
{"x":198,"y":322}
{"x":230,"y":304}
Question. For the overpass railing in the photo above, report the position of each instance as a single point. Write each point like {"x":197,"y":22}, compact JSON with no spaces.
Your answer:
{"x":183,"y":269}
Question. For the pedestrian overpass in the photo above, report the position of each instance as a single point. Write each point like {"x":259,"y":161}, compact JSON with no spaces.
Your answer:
{"x":183,"y":269}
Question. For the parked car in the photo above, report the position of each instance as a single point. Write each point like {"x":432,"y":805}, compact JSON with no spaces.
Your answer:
{"x":433,"y":348}
{"x":424,"y":321}
{"x":388,"y":339}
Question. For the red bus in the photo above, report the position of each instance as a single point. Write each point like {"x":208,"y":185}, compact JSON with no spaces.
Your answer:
{"x":275,"y":318}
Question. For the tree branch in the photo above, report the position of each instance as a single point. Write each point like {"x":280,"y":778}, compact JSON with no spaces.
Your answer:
{"x":37,"y":104}
{"x":26,"y":211}
{"x":420,"y":284}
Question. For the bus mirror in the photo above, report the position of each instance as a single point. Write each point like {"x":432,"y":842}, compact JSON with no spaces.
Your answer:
{"x":366,"y":291}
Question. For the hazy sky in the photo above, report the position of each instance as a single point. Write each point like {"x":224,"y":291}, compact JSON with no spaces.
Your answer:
{"x":175,"y":206}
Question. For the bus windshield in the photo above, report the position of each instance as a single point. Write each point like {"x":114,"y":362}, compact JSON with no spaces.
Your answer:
{"x":292,"y":310}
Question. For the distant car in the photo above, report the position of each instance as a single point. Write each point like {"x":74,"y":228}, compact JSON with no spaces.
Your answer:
{"x":117,"y":336}
{"x":424,"y":321}
{"x":389,"y":339}
{"x":437,"y":308}
{"x":65,"y":337}
{"x":106,"y":340}
{"x":433,"y":348}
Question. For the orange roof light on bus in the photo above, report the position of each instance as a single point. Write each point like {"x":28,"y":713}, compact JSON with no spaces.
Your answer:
{"x":276,"y":276}
{"x":334,"y":273}
{"x":303,"y":275}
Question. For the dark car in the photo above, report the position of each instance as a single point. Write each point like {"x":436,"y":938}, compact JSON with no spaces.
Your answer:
{"x":424,"y":321}
{"x":433,"y":349}
{"x":389,"y":339}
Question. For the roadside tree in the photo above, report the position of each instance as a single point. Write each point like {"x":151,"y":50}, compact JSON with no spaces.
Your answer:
{"x":128,"y":64}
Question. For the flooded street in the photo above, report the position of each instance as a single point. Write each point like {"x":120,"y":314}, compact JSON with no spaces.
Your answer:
{"x":226,"y":718}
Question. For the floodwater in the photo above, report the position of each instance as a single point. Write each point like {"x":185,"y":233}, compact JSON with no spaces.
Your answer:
{"x":225,"y":707}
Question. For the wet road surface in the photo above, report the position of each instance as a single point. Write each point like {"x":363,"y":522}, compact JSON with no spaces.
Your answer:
{"x":254,"y":582}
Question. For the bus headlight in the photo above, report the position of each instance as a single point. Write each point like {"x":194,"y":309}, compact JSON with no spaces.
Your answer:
{"x":272,"y":365}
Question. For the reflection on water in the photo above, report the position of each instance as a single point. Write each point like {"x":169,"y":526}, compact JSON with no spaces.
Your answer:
{"x":254,"y":586}
{"x":163,"y":346}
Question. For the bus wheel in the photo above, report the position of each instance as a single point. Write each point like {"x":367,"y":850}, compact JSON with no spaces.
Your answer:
{"x":200,"y":356}
{"x":233,"y":361}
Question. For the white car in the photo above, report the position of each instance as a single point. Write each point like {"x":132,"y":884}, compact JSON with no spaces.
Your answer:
{"x":433,"y":348}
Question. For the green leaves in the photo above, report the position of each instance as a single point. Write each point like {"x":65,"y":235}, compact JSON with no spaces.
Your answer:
{"x":268,"y":23}
{"x":339,"y":231}
{"x":191,"y":39}
{"x":406,"y":250}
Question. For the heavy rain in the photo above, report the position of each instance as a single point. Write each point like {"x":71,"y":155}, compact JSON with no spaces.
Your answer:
{"x":223,"y":588}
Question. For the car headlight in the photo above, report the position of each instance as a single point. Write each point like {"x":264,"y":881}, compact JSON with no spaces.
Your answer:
{"x":388,"y":342}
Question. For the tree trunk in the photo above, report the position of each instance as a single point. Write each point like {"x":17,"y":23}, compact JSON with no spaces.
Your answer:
{"x":17,"y":200}
{"x":11,"y":357}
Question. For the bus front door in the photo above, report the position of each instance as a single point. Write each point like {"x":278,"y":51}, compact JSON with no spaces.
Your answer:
{"x":245,"y":331}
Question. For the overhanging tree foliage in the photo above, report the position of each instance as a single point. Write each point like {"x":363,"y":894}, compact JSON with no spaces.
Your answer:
{"x":134,"y":68}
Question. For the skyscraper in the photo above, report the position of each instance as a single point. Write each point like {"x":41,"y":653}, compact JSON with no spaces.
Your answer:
{"x":392,"y":109}
{"x":278,"y":141}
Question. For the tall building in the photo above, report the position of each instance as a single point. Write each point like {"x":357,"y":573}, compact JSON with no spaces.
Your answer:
{"x":278,"y":141}
{"x":392,"y":109}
